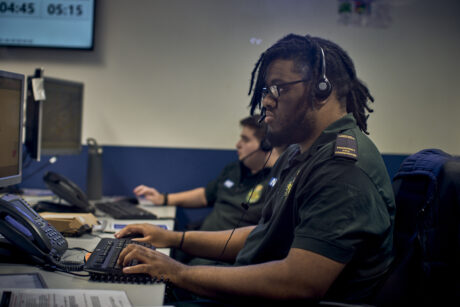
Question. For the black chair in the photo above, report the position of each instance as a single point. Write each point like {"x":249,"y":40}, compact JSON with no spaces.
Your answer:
{"x":427,"y":240}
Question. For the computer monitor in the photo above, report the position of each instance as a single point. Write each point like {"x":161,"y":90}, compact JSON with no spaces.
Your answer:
{"x":11,"y":120}
{"x":55,"y":124}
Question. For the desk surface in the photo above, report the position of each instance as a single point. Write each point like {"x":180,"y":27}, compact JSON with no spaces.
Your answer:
{"x":162,"y":212}
{"x":138,"y":294}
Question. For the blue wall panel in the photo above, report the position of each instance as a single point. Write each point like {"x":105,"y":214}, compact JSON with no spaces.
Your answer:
{"x":167,"y":169}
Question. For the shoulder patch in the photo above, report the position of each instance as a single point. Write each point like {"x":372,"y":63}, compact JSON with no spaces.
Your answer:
{"x":346,"y":146}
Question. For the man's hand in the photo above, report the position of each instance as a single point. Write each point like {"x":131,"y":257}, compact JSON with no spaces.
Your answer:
{"x":151,"y":262}
{"x":152,"y":234}
{"x":149,"y":193}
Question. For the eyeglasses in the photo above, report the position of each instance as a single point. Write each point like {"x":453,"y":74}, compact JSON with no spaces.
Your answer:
{"x":275,"y":90}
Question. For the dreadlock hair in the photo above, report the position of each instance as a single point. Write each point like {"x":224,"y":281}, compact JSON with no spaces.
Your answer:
{"x":306,"y":53}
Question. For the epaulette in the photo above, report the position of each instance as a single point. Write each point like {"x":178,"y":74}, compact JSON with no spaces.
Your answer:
{"x":346,"y":146}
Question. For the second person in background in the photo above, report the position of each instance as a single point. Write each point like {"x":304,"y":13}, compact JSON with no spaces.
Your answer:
{"x":239,"y":182}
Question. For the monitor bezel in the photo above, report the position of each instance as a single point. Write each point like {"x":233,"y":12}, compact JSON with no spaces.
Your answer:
{"x":46,"y":151}
{"x":16,"y":178}
{"x":61,"y":47}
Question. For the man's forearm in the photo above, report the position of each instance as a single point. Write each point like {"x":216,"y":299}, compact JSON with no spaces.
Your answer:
{"x":195,"y":198}
{"x":264,"y":281}
{"x":210,"y":244}
{"x":301,"y":275}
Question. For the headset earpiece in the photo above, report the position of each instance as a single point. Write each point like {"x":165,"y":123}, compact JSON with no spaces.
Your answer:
{"x":323,"y":87}
{"x":265,"y":145}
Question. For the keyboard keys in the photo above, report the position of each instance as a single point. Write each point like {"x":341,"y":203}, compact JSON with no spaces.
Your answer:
{"x":124,"y":211}
{"x":102,"y":264}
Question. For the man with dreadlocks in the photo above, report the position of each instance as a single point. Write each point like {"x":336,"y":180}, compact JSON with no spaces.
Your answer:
{"x":326,"y":228}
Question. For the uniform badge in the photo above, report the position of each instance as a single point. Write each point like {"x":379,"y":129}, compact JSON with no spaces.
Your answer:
{"x":290,"y":184}
{"x":272,"y":182}
{"x":288,"y":189}
{"x":254,"y":194}
{"x":228,"y":183}
{"x":346,"y":146}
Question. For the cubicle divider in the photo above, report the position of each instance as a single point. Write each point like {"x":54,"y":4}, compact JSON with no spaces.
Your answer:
{"x":167,"y":169}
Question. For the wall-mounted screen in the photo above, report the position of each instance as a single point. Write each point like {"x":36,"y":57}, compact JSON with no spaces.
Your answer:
{"x":47,"y":23}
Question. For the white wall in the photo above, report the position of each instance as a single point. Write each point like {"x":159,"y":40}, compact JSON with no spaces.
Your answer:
{"x":176,"y":73}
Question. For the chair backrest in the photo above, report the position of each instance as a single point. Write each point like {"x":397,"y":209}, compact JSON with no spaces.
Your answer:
{"x":427,"y":232}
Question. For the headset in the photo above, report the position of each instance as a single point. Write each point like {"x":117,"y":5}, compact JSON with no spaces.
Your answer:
{"x":265,"y":144}
{"x":323,"y":87}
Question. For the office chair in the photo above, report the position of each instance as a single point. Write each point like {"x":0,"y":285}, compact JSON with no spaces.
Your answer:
{"x":427,"y":234}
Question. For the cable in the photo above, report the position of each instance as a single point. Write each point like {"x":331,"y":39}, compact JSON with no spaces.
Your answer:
{"x":246,"y":207}
{"x":79,"y":249}
{"x":76,"y":274}
{"x":52,"y":160}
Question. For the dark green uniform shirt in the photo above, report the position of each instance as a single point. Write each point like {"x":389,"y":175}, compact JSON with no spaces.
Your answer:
{"x":335,"y":200}
{"x":227,"y":192}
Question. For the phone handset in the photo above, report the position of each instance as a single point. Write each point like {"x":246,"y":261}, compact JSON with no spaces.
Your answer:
{"x":26,"y":229}
{"x":69,"y":191}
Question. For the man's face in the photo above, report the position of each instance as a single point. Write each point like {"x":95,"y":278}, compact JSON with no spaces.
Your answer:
{"x":248,"y":149}
{"x":289,"y":118}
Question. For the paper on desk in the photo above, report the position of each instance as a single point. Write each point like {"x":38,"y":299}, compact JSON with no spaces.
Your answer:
{"x":63,"y":298}
{"x":115,"y":226}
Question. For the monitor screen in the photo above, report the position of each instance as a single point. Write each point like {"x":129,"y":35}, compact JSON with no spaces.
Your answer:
{"x":62,"y":113}
{"x":11,"y":117}
{"x":45,"y":23}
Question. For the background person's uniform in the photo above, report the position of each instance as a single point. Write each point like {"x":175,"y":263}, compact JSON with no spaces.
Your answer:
{"x":228,"y":191}
{"x":235,"y":185}
{"x":336,"y":200}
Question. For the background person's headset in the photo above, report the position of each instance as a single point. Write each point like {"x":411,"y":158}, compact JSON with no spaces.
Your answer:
{"x":264,"y":146}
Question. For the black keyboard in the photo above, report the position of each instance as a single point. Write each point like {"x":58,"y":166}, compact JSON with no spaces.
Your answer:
{"x":123,"y":210}
{"x":102,"y":264}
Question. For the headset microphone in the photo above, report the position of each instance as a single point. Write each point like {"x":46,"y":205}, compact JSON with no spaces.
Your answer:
{"x":249,"y":154}
{"x":262,"y":115}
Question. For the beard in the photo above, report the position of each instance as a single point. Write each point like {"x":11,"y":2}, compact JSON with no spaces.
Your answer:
{"x":293,"y":131}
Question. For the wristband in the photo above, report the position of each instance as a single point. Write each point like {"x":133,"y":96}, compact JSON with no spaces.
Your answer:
{"x":182,"y":240}
{"x":165,"y":201}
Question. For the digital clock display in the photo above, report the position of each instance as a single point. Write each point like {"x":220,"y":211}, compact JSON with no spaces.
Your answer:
{"x":47,"y":23}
